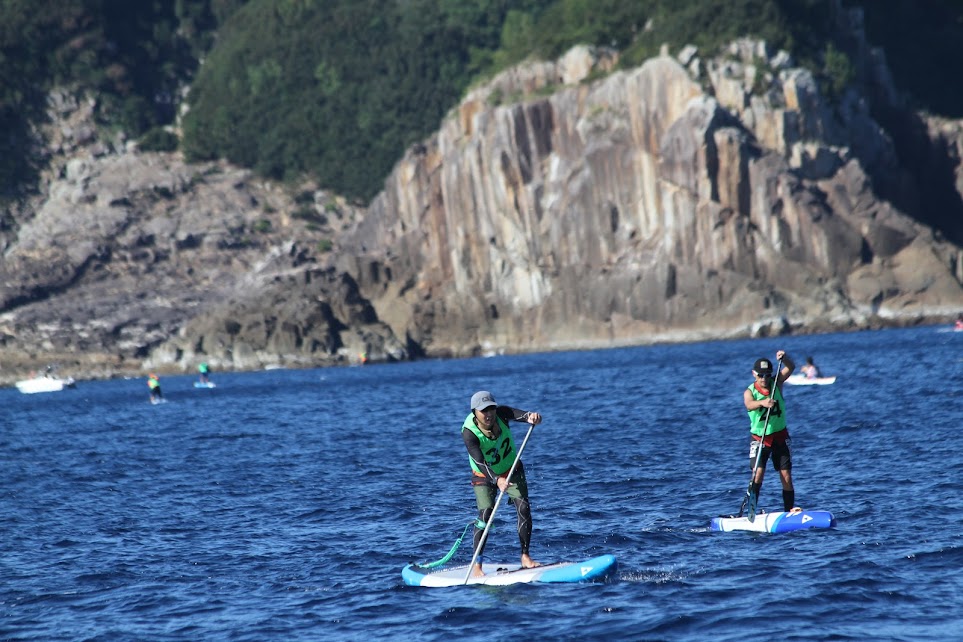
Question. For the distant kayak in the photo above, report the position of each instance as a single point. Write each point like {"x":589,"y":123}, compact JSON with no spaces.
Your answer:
{"x":803,"y":380}
{"x":592,"y":570}
{"x":780,"y":522}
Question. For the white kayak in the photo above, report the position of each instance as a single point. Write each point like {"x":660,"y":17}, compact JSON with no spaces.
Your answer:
{"x":780,"y":522}
{"x":591,"y":570}
{"x":803,"y":380}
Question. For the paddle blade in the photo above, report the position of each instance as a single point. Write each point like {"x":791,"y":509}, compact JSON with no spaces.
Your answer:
{"x":753,"y":499}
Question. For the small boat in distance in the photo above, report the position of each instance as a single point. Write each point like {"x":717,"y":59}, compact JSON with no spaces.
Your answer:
{"x":45,"y":383}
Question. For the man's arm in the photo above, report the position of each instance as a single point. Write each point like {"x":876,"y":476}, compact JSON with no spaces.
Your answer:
{"x":507,"y":413}
{"x":788,"y":366}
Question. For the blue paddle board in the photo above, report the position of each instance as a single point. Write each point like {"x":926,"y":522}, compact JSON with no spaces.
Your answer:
{"x":592,"y":570}
{"x":204,"y":384}
{"x":776,"y":522}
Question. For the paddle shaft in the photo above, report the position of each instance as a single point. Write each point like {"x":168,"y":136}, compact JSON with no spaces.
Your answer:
{"x":765,"y":429}
{"x":498,"y":501}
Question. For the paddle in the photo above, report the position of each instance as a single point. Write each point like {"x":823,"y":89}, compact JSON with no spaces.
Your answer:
{"x":753,"y":497}
{"x":491,"y":518}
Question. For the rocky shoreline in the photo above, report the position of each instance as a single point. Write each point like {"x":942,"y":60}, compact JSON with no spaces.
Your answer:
{"x":91,"y":367}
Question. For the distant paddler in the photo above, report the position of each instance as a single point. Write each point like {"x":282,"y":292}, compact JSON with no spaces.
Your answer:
{"x":810,"y":369}
{"x":155,"y":388}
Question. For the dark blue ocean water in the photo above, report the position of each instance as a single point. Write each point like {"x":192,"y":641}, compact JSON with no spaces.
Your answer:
{"x":282,"y":505}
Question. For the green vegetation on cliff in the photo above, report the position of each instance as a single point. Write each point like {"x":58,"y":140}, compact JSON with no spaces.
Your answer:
{"x":133,"y":56}
{"x":339,"y":88}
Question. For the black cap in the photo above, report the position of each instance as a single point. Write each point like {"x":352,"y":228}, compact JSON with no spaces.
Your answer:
{"x":762,"y":367}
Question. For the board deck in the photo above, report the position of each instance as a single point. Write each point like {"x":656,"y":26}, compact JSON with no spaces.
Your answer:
{"x":779,"y":522}
{"x":591,"y":570}
{"x":203,"y":384}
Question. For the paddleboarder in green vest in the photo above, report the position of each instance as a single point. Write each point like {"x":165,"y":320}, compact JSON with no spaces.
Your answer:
{"x":153,"y":382}
{"x":491,"y":452}
{"x":767,"y":414}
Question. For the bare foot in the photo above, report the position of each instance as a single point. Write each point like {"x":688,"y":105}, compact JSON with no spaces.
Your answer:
{"x":528,"y":562}
{"x":477,"y":571}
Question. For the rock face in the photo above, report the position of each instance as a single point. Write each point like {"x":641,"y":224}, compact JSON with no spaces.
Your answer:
{"x":681,"y":200}
{"x":656,"y":204}
{"x":136,"y":261}
{"x":135,"y":251}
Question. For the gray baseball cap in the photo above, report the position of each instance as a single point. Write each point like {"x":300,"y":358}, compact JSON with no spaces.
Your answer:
{"x":482,"y":399}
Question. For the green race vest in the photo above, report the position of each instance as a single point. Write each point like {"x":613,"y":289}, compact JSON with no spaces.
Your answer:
{"x":499,"y":453}
{"x":757,"y":417}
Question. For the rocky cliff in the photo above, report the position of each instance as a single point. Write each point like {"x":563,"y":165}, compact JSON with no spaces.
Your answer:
{"x":682,"y":199}
{"x":561,"y":205}
{"x":131,"y":261}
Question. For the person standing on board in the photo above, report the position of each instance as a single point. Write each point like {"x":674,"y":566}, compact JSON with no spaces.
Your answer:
{"x":491,"y":452}
{"x":767,"y":412}
{"x":155,"y":390}
{"x":810,"y":369}
{"x":204,"y":371}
